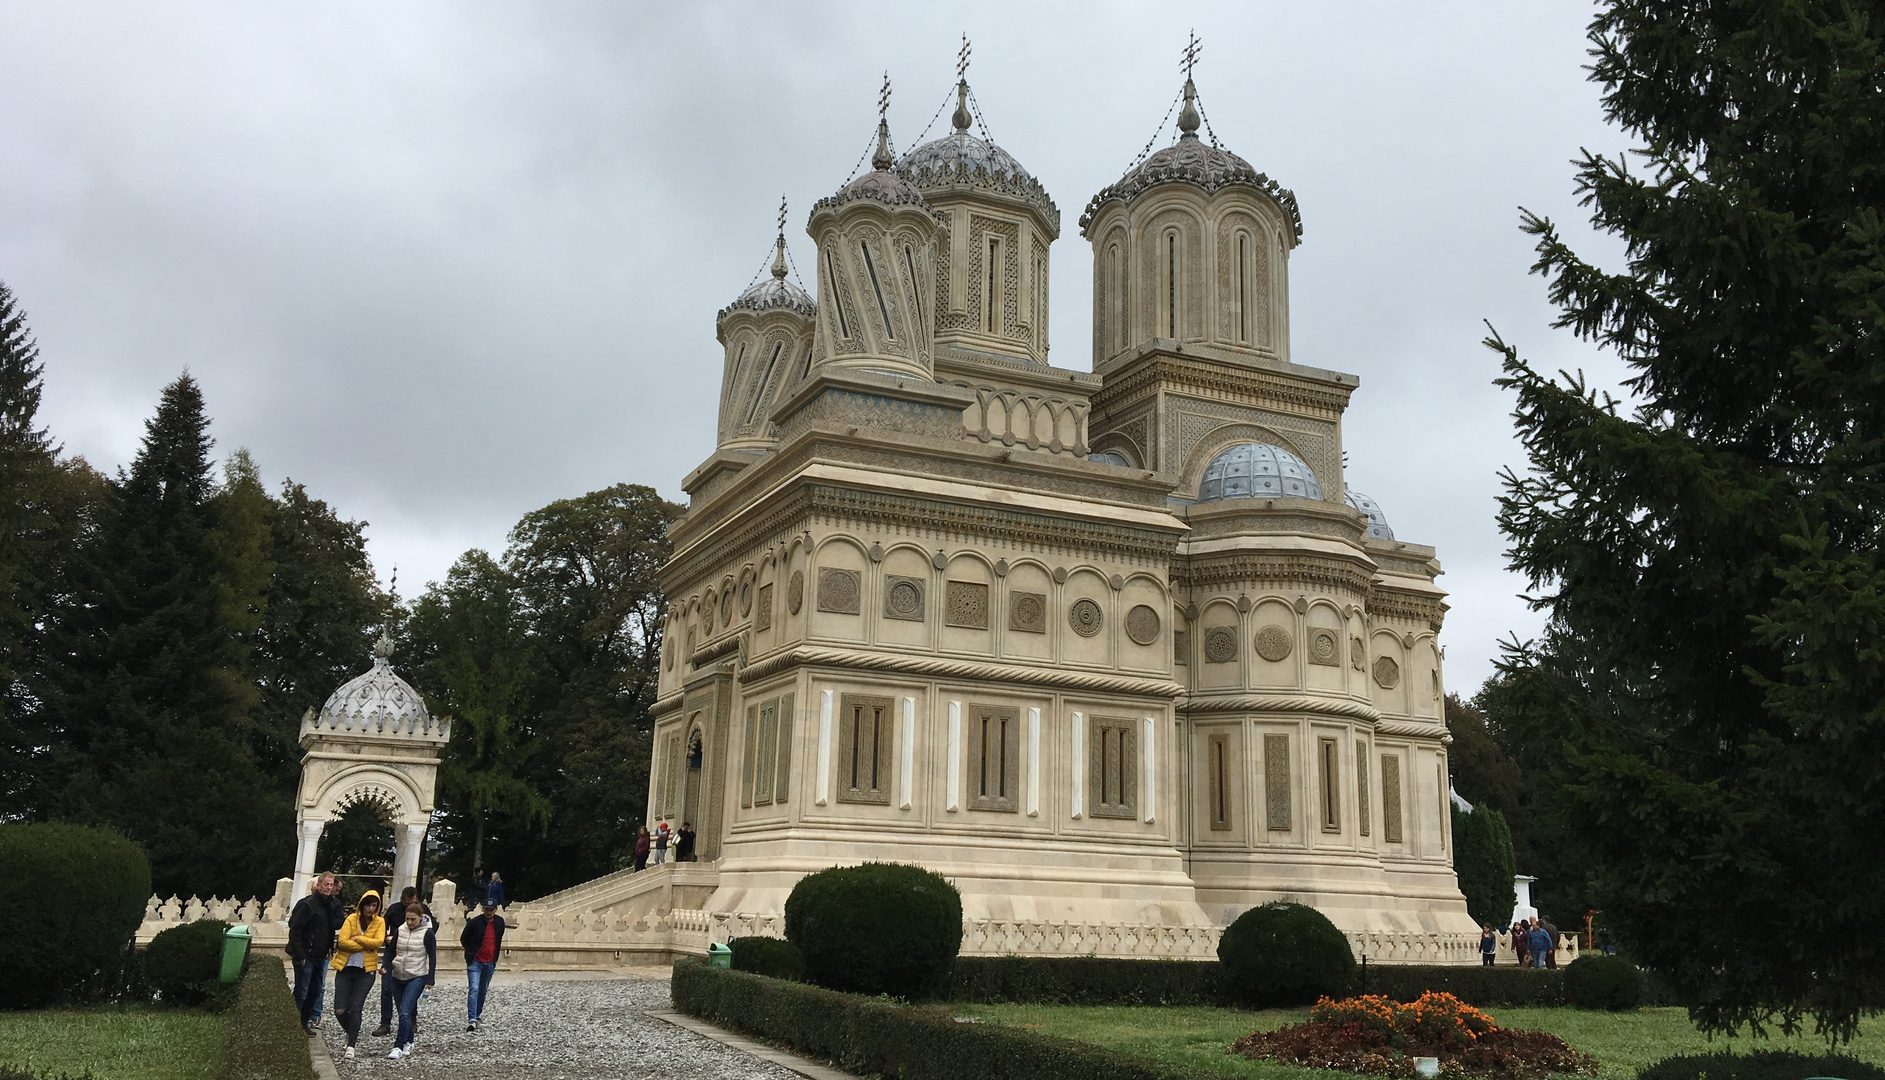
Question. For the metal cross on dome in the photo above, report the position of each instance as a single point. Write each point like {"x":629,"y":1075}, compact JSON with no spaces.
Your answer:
{"x":782,"y":215}
{"x":883,"y":97}
{"x":1192,"y":48}
{"x":962,"y":60}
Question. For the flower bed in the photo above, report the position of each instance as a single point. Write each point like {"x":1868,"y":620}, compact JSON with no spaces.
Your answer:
{"x":1382,"y":1037}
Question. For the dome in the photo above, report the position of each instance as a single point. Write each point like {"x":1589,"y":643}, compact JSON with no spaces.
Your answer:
{"x":1377,"y":520}
{"x":774,"y":291}
{"x":378,"y":702}
{"x":960,"y":160}
{"x":960,"y":150}
{"x":880,"y":185}
{"x":1257,"y":471}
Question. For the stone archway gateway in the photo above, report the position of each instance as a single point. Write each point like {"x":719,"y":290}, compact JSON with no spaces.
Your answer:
{"x":374,"y":742}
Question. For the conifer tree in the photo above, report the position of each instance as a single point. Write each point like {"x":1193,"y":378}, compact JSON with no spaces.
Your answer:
{"x":1705,"y":709}
{"x":26,"y":460}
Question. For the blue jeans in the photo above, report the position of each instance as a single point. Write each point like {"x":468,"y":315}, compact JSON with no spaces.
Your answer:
{"x":311,"y":988}
{"x":408,"y":991}
{"x":478,"y":984}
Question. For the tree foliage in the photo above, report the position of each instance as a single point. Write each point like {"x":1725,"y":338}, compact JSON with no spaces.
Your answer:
{"x":1706,"y":705}
{"x":1483,"y":859}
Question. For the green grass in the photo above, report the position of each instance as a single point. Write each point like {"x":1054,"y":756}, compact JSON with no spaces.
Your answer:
{"x":114,"y":1043}
{"x":1621,"y":1042}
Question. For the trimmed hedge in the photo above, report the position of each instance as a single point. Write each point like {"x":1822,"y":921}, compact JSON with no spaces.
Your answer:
{"x":770,"y":957}
{"x":97,"y":883}
{"x":1603,"y":982}
{"x":266,"y":1040}
{"x":870,"y":1038}
{"x":184,"y":963}
{"x":1513,"y":987}
{"x":1760,"y":1065}
{"x":1285,"y":954}
{"x":879,"y":928}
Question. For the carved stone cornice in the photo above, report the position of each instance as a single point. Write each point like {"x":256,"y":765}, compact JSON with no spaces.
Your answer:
{"x":1411,"y":607}
{"x":1207,"y":571}
{"x":666,"y":705}
{"x":1415,"y":729}
{"x":945,"y":668}
{"x":1342,"y":708}
{"x":991,"y":524}
{"x":1282,"y":391}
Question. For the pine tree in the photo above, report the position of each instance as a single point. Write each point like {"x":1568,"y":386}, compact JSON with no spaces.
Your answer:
{"x":26,"y":462}
{"x":1706,"y":706}
{"x":1483,"y":859}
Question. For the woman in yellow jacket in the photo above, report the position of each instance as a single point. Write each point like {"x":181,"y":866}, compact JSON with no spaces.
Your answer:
{"x":356,"y":959}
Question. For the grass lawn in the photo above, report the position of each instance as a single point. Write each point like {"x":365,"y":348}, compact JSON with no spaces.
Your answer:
{"x":1621,"y":1042}
{"x":114,"y":1043}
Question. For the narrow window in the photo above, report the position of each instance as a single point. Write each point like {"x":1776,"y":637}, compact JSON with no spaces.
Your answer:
{"x":865,"y":741}
{"x":1243,"y":289}
{"x":1111,"y":765}
{"x":759,"y":392}
{"x":994,"y":255}
{"x":1120,"y":273}
{"x":1391,"y":797}
{"x":782,"y":778}
{"x":1219,"y":767}
{"x":1331,"y":787}
{"x":1171,"y":286}
{"x":1117,"y":289}
{"x":1361,"y":786}
{"x":883,"y":309}
{"x":752,"y":757}
{"x":1439,"y":779}
{"x":768,"y":748}
{"x":837,"y":298}
{"x":1276,"y":781}
{"x":916,"y":283}
{"x":994,"y":755}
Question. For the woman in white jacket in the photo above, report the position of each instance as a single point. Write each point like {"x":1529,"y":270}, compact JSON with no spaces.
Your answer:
{"x":412,"y":956}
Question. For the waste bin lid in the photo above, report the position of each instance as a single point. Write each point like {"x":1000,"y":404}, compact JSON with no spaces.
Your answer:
{"x":238,"y":930}
{"x":716,"y":947}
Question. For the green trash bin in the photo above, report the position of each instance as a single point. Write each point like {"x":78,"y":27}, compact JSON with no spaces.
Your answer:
{"x":719,"y":955}
{"x":235,"y":950}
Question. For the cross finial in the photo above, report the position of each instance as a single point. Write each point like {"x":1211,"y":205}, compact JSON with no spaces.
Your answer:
{"x":1192,"y":48}
{"x":962,"y":60}
{"x":778,"y":256}
{"x":782,"y":215}
{"x":883,"y":98}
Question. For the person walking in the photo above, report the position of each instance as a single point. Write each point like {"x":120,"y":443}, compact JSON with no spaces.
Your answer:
{"x":661,"y":843}
{"x":1541,"y":945}
{"x":1551,"y":936}
{"x":1604,"y":942}
{"x":483,"y":941}
{"x":494,"y":891}
{"x":1522,"y":942}
{"x":684,"y":843}
{"x":311,"y":928}
{"x":395,"y":914}
{"x":642,"y":845}
{"x":1488,"y":945}
{"x":412,"y":961}
{"x":356,"y":962}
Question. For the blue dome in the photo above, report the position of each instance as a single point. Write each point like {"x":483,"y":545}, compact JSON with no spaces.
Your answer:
{"x":1258,"y":471}
{"x":1377,"y":520}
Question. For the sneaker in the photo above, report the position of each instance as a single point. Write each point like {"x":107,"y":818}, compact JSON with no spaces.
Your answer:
{"x":395,"y":1054}
{"x":350,"y":1053}
{"x":382,"y":1031}
{"x":473,"y":1026}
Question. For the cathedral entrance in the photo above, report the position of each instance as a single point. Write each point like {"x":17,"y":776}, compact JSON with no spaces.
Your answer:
{"x":690,"y":801}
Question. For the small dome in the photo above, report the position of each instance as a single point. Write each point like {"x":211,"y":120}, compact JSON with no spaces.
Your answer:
{"x":1257,"y":471}
{"x":878,"y":185}
{"x":774,"y":291}
{"x":378,"y":702}
{"x":961,"y":150}
{"x":1377,"y":520}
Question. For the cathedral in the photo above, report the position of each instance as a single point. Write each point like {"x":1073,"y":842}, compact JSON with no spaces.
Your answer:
{"x":1117,"y":652}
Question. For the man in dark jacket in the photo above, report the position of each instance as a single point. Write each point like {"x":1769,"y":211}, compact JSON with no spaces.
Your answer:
{"x":483,"y":942}
{"x":311,"y":929}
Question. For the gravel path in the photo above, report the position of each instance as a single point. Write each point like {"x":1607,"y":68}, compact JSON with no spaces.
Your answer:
{"x":555,"y":1030}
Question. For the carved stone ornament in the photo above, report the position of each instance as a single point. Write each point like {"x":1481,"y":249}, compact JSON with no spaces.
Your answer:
{"x":1324,"y":649}
{"x":1220,"y":645}
{"x":939,"y":561}
{"x":795,"y":592}
{"x":1142,"y":625}
{"x":1085,"y":617}
{"x":1060,"y":575}
{"x":877,"y":552}
{"x":1387,"y":673}
{"x":764,"y":620}
{"x":746,"y":599}
{"x":1001,"y":567}
{"x":838,"y":591}
{"x":1357,"y":654}
{"x":1273,"y":643}
{"x":1116,"y":582}
{"x":965,"y":603}
{"x":1027,"y":612}
{"x":903,"y":598}
{"x":726,"y":607}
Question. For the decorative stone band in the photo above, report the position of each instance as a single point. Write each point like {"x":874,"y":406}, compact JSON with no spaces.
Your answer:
{"x":844,"y":504}
{"x":267,"y":920}
{"x":934,"y":667}
{"x":1167,"y":372}
{"x":726,"y":646}
{"x":1239,"y":703}
{"x":1419,"y":729}
{"x":666,"y":705}
{"x":1238,"y":568}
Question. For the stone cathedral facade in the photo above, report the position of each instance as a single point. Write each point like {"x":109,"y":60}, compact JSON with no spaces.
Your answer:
{"x":1118,"y":652}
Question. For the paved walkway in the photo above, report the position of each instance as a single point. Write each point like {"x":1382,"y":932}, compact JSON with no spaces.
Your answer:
{"x":550,"y":1026}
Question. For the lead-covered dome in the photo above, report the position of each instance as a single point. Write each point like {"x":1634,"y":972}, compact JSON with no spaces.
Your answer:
{"x":1258,"y":471}
{"x":1377,"y":519}
{"x":774,"y":292}
{"x":960,"y":160}
{"x":378,"y":702}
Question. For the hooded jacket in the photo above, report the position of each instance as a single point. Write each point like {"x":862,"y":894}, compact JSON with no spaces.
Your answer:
{"x":357,"y":938}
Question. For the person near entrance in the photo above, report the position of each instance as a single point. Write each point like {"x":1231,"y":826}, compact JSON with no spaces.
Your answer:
{"x":483,"y":942}
{"x":662,"y":835}
{"x":356,"y":962}
{"x":643,"y":843}
{"x":311,"y":928}
{"x":684,"y":843}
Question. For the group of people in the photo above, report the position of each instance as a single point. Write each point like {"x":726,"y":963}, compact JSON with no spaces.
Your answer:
{"x":656,"y":843}
{"x":1534,"y":943}
{"x":397,"y":948}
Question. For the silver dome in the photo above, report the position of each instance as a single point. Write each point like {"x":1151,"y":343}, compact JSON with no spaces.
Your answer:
{"x":1258,"y":471}
{"x":961,"y":150}
{"x":1377,"y":520}
{"x":378,"y":702}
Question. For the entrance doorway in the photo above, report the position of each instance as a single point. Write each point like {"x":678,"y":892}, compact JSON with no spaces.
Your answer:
{"x":690,"y":800}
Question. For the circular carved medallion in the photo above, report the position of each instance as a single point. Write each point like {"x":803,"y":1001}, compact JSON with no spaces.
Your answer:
{"x":795,"y":592}
{"x":1387,"y":673}
{"x":1085,"y":616}
{"x":1220,"y":645}
{"x":746,"y":599}
{"x":1323,"y":650}
{"x":905,"y":598}
{"x":726,"y":607}
{"x":1273,"y":643}
{"x":1030,"y":612}
{"x":1357,"y":654}
{"x":1142,"y":625}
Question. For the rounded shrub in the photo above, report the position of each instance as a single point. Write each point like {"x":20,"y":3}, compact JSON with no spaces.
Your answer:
{"x":879,"y":928}
{"x":185,"y":962}
{"x":1285,"y":954}
{"x":74,"y":897}
{"x":768,"y":956}
{"x":1760,"y":1065}
{"x":1603,"y":982}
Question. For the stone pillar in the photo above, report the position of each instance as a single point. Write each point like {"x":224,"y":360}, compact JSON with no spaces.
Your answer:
{"x":406,"y":850}
{"x":304,"y":859}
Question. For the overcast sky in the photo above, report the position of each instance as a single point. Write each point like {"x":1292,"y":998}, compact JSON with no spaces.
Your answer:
{"x":446,"y":262}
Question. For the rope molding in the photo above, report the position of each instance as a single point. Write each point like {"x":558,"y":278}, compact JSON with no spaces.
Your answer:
{"x":1050,"y":678}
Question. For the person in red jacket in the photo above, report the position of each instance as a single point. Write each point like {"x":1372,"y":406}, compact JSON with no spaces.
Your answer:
{"x":483,"y":941}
